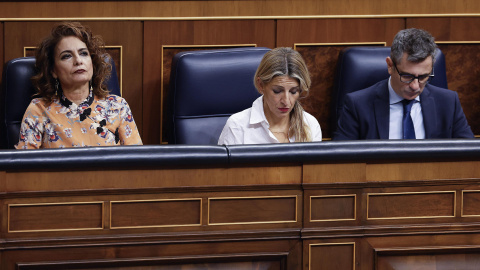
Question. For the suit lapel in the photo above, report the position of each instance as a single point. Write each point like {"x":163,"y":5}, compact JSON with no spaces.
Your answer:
{"x":428,"y":112}
{"x":382,"y":110}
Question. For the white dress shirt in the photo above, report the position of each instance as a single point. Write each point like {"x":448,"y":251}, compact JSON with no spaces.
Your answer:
{"x":396,"y":116}
{"x":250,"y":126}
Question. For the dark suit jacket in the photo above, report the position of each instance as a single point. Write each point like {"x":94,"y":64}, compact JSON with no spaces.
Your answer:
{"x":366,"y":114}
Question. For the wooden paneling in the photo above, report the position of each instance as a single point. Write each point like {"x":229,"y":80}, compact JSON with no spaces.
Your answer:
{"x":162,"y":213}
{"x":252,"y":210}
{"x":414,"y":171}
{"x":55,"y":217}
{"x":465,"y":261}
{"x":410,"y":205}
{"x":167,"y":178}
{"x":331,"y":256}
{"x":334,"y":173}
{"x":62,"y":9}
{"x":291,"y":32}
{"x":242,"y":217}
{"x":332,"y":208}
{"x":470,"y":203}
{"x":194,"y":34}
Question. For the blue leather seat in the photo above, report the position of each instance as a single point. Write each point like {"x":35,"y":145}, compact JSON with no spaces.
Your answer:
{"x":206,"y":87}
{"x":361,"y":67}
{"x":18,"y":92}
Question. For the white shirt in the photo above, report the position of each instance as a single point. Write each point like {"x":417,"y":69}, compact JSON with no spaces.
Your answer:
{"x":396,"y":116}
{"x":250,"y":126}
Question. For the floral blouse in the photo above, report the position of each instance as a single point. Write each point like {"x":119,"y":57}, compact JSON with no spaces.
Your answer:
{"x":95,"y":122}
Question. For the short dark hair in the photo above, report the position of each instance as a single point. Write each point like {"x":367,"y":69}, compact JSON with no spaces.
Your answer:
{"x":45,"y":59}
{"x":418,"y":44}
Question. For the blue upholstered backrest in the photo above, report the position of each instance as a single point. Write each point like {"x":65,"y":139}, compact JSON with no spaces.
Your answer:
{"x":361,"y":67}
{"x":18,"y":92}
{"x":206,"y":87}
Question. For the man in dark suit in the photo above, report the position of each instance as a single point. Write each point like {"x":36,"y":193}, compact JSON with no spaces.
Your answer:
{"x":404,"y":106}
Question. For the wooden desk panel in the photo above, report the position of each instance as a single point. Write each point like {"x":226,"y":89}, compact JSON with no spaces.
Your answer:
{"x":244,"y":217}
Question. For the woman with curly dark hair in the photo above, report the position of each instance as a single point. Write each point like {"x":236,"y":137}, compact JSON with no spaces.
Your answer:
{"x":74,"y":108}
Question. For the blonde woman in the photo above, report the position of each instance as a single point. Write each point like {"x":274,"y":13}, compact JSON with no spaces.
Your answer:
{"x":277,"y":116}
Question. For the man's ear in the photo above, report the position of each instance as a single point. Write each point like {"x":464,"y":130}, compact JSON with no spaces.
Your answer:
{"x":389,"y":65}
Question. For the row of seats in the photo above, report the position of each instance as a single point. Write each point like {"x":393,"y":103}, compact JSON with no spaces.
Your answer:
{"x":206,"y":87}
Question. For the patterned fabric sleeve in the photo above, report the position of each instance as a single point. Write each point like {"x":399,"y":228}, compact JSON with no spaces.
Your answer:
{"x":32,"y":127}
{"x":127,"y":130}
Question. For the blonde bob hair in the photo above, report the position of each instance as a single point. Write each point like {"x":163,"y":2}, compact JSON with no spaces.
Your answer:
{"x":286,"y":61}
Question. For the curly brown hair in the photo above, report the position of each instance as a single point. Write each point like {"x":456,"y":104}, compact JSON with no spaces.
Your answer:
{"x":45,"y":60}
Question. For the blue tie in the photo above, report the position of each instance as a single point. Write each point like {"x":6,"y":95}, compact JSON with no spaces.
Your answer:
{"x":408,"y":129}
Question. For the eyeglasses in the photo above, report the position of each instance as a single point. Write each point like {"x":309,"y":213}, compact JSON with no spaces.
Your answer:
{"x":408,"y":78}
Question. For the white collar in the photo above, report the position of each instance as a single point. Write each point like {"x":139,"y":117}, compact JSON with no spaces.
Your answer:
{"x":394,"y":97}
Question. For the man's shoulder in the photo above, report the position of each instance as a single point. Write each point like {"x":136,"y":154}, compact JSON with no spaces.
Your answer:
{"x":369,"y":91}
{"x":439,"y":93}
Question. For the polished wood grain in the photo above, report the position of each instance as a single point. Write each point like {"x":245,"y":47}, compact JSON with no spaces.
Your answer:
{"x":331,"y":255}
{"x":467,"y":261}
{"x":156,"y":213}
{"x":332,"y":208}
{"x":428,"y":170}
{"x":162,"y":178}
{"x":470,"y":202}
{"x":55,"y":217}
{"x":164,"y":37}
{"x":52,"y":9}
{"x":277,"y":217}
{"x":334,"y":173}
{"x":253,"y":210}
{"x":291,"y":32}
{"x":411,"y":205}
{"x":462,"y":70}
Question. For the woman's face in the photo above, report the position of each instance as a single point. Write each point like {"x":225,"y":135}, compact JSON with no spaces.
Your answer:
{"x":73,"y":63}
{"x":279,"y":96}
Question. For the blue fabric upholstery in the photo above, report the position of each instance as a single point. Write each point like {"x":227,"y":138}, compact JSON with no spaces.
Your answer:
{"x":206,"y":87}
{"x":361,"y":67}
{"x":18,"y":92}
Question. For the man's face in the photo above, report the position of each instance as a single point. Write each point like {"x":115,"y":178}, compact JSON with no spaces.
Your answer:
{"x":413,"y":89}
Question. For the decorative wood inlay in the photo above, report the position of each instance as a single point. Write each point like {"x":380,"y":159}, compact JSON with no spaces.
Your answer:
{"x":411,"y":205}
{"x":55,"y":217}
{"x":333,"y":207}
{"x":155,"y":213}
{"x":331,"y":256}
{"x":252,"y":210}
{"x":470,"y":203}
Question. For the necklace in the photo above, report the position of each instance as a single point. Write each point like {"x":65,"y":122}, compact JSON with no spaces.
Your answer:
{"x":284,"y":134}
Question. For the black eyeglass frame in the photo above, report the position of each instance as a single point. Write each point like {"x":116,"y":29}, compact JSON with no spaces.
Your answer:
{"x":419,"y":78}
